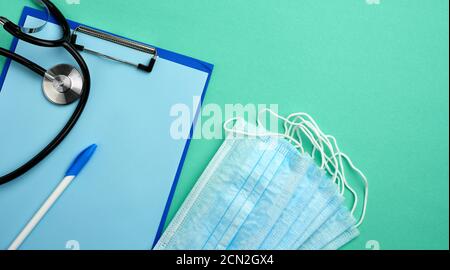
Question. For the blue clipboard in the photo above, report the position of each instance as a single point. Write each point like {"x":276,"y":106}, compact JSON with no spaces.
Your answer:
{"x":121,"y":199}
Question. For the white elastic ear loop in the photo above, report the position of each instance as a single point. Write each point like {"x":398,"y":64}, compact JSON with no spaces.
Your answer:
{"x":286,"y":122}
{"x":339,"y":170}
{"x":335,"y":169}
{"x":292,"y":134}
{"x":317,"y":144}
{"x":338,"y":165}
{"x":366,"y":187}
{"x":306,"y":125}
{"x":311,"y":124}
{"x":344,"y":179}
{"x":285,"y":135}
{"x":287,"y":132}
{"x":254,"y":134}
{"x":336,"y":175}
{"x":325,"y":159}
{"x":295,"y":130}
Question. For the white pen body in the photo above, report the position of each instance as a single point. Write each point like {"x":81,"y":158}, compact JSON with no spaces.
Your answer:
{"x":41,"y":212}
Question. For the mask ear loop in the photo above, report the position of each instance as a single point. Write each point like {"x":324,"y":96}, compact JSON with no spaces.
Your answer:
{"x":366,"y":188}
{"x":325,"y":159}
{"x":294,"y":128}
{"x":288,"y":124}
{"x":344,"y":179}
{"x":334,"y":169}
{"x":256,"y":134}
{"x":339,"y":167}
{"x":306,"y":128}
{"x":287,"y":132}
{"x":311,"y":130}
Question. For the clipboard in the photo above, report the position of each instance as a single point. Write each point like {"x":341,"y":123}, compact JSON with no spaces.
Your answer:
{"x":121,"y":200}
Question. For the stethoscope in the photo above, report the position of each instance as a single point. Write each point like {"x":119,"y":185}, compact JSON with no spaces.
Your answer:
{"x":62,"y":84}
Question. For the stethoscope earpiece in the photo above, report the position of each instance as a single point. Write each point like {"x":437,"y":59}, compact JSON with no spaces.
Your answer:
{"x":62,"y":84}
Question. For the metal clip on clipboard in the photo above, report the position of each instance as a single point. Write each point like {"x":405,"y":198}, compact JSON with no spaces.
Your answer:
{"x":117,"y":40}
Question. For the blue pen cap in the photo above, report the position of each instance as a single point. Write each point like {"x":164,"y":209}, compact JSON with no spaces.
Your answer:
{"x":81,"y":160}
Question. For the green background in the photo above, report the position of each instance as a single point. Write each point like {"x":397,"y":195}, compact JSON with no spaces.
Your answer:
{"x":375,"y":76}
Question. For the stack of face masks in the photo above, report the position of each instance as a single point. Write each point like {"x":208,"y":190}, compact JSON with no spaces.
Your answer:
{"x":262,"y":192}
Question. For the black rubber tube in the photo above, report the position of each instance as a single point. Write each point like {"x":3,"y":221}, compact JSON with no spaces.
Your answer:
{"x":22,"y":60}
{"x":66,"y":129}
{"x":64,"y":42}
{"x":16,"y":31}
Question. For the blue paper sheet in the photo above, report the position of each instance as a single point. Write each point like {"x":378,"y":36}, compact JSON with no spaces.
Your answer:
{"x":120,"y":200}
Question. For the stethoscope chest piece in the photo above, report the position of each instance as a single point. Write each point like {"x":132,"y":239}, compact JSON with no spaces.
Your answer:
{"x":62,"y":84}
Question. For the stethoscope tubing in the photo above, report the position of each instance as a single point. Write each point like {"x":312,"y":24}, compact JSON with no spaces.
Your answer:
{"x":64,"y":42}
{"x":16,"y":31}
{"x":22,"y":60}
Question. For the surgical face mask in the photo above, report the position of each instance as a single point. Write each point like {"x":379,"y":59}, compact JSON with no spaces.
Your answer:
{"x":342,"y":239}
{"x":333,"y":227}
{"x":324,"y":204}
{"x":260,"y":193}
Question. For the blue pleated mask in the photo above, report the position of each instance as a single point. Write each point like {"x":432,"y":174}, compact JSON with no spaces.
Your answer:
{"x":261,"y":193}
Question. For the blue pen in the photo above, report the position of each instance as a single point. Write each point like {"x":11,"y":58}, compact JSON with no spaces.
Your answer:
{"x":77,"y":165}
